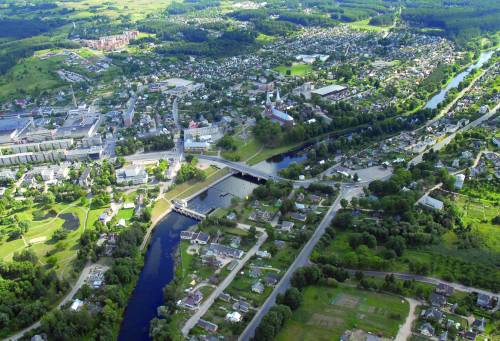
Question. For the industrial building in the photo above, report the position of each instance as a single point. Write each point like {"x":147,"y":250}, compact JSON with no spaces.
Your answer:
{"x":12,"y":128}
{"x":329,"y":90}
{"x":137,"y":175}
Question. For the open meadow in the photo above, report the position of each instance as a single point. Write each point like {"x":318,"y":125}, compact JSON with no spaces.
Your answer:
{"x":327,"y":313}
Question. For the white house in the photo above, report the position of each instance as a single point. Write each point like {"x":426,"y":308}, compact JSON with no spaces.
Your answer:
{"x":76,"y":305}
{"x":233,"y":317}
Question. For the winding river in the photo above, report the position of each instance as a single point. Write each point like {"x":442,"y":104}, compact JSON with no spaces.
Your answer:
{"x":158,"y":268}
{"x":440,"y":97}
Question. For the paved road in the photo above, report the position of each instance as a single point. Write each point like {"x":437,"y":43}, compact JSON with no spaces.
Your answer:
{"x":424,"y":279}
{"x":417,"y":159}
{"x":69,"y":296}
{"x":220,"y":289}
{"x":301,"y":260}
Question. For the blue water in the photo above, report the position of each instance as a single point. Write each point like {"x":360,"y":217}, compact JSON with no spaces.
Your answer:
{"x":158,"y":268}
{"x":279,"y":162}
{"x":440,"y":97}
{"x":158,"y":271}
{"x":221,"y":194}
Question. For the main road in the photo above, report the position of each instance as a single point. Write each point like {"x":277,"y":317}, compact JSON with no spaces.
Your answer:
{"x":444,"y":142}
{"x":346,"y":192}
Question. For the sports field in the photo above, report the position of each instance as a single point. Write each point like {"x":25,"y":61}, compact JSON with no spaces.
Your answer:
{"x":327,"y":313}
{"x":297,"y":69}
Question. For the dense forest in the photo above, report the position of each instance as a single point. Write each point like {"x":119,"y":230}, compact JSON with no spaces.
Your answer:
{"x":460,"y":20}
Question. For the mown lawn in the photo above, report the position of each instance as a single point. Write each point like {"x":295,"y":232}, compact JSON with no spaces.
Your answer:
{"x":126,"y":214}
{"x":159,"y":208}
{"x":189,"y":188}
{"x":297,"y":69}
{"x":39,"y":239}
{"x":327,"y":313}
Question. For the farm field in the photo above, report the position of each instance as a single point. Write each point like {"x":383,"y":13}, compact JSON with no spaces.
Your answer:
{"x":137,"y":9}
{"x":327,"y":313}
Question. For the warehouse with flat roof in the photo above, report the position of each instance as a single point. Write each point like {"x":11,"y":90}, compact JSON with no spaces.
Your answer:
{"x":329,"y":90}
{"x":12,"y":128}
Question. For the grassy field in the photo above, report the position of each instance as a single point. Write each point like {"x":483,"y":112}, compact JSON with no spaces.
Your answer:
{"x":297,"y":69}
{"x":327,"y":313}
{"x":38,"y":238}
{"x":252,"y":151}
{"x":159,"y":208}
{"x":189,"y":188}
{"x":363,"y":25}
{"x":31,"y":75}
{"x":126,"y":214}
{"x":479,"y":213}
{"x":137,"y":9}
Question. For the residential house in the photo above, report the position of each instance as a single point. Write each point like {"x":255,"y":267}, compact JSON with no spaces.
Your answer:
{"x":242,"y":306}
{"x":479,"y":325}
{"x":233,"y":317}
{"x":76,"y":305}
{"x":299,"y":216}
{"x":263,"y":254}
{"x":286,"y":226}
{"x":437,"y":300}
{"x":208,"y":326}
{"x":432,"y":314}
{"x":192,"y":300}
{"x":255,"y":272}
{"x":225,"y":297}
{"x":427,"y":329}
{"x":223,"y":250}
{"x":470,"y":335}
{"x":211,"y":260}
{"x":235,"y":242}
{"x":444,"y":289}
{"x":272,"y":279}
{"x":484,"y":301}
{"x":258,"y":287}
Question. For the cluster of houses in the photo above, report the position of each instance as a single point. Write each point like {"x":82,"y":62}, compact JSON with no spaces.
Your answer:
{"x":436,"y":319}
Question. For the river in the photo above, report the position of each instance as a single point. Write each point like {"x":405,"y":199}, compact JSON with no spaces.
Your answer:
{"x":281,"y":161}
{"x":440,"y":97}
{"x":156,"y":273}
{"x":158,"y":268}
